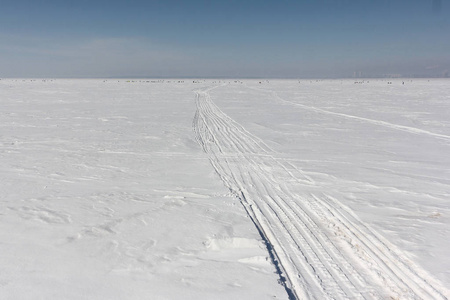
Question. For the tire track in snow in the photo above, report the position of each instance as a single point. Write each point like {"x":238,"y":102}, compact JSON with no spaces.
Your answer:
{"x":322,"y":250}
{"x":366,"y":120}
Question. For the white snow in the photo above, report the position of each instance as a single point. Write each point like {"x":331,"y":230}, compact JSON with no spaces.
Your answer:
{"x":131,"y":189}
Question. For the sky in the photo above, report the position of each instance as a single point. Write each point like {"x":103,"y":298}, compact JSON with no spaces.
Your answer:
{"x":227,"y":38}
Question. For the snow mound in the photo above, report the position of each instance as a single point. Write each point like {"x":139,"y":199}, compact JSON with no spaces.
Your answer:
{"x":232,"y":243}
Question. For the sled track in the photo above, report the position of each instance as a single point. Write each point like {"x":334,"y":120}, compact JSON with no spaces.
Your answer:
{"x":321,"y":248}
{"x":360,"y":119}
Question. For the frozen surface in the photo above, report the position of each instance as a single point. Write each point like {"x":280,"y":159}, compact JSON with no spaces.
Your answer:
{"x":105,"y":194}
{"x":115,"y":189}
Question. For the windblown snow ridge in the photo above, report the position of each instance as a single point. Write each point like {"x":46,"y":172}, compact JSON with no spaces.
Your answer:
{"x":323,"y":250}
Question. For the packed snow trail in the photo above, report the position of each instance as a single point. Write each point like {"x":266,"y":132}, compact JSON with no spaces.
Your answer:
{"x":321,"y":248}
{"x":361,"y":119}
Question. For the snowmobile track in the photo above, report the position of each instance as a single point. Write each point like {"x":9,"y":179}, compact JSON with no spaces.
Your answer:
{"x":322,"y":249}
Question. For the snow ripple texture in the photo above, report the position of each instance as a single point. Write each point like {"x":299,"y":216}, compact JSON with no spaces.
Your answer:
{"x":322,"y":249}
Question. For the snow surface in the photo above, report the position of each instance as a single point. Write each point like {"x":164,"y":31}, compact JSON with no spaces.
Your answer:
{"x":133,"y":189}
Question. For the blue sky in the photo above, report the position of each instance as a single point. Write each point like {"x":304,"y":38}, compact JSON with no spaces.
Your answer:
{"x":303,"y":38}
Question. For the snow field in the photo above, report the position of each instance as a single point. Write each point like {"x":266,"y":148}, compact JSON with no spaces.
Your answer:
{"x":106,"y":195}
{"x":162,"y":189}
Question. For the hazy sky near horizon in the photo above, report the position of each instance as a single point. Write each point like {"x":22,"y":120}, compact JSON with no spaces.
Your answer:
{"x":228,"y":38}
